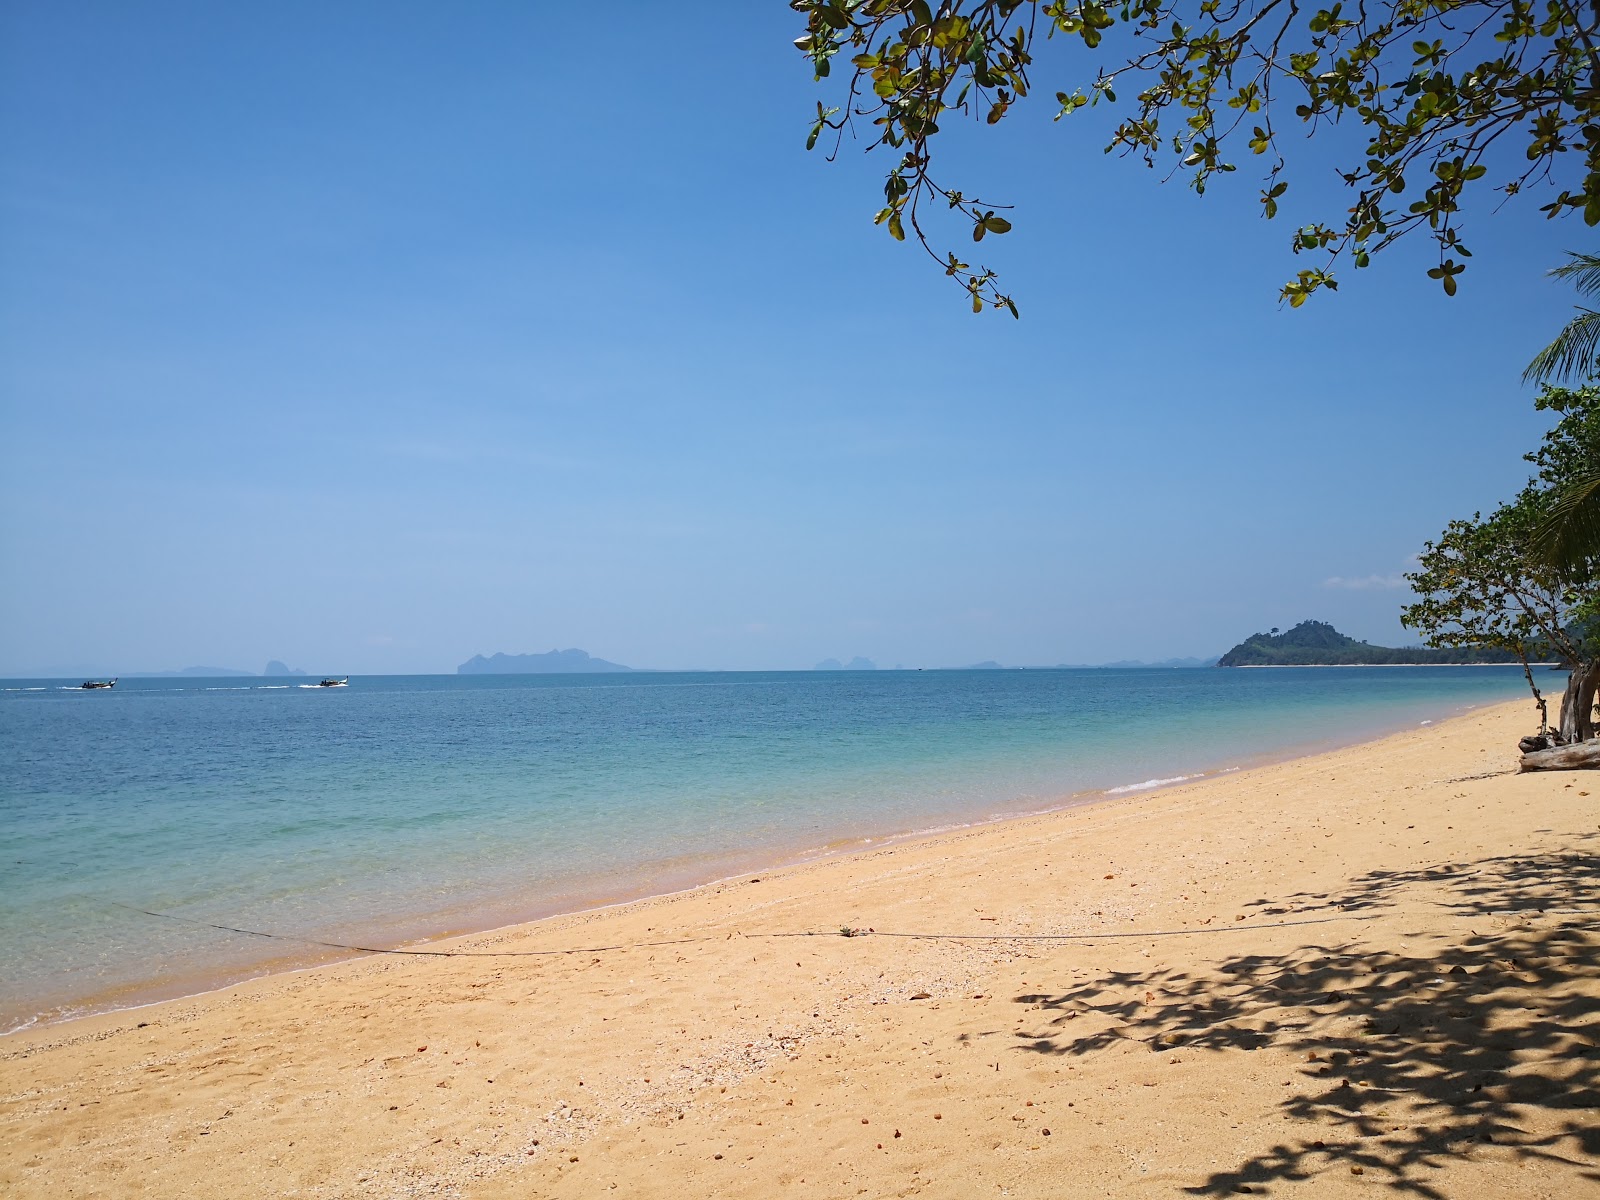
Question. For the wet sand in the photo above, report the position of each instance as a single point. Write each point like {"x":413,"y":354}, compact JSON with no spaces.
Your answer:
{"x":1374,"y":966}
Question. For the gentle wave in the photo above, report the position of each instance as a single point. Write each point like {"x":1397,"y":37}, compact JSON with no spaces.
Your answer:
{"x":1148,"y":784}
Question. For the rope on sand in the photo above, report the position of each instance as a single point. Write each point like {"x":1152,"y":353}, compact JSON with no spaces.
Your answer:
{"x":843,"y":931}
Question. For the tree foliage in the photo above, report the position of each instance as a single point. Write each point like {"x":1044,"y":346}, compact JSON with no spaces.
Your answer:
{"x":1478,"y":586}
{"x":1483,"y":581}
{"x":1434,"y":84}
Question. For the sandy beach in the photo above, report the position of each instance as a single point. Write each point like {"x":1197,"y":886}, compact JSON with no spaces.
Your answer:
{"x":1374,"y":967}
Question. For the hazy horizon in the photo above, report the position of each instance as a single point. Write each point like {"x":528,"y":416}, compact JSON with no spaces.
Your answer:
{"x":223,"y":671}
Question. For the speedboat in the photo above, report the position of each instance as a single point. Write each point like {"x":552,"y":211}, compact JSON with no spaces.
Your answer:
{"x":345,"y":682}
{"x":90,"y":685}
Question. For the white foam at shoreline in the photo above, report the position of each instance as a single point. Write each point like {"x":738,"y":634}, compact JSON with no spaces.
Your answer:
{"x":1148,"y":784}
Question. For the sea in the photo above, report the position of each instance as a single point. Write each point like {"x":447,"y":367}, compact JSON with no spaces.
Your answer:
{"x":135,"y":822}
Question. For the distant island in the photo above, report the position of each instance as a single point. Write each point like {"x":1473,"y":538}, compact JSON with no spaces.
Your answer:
{"x":855,"y":664}
{"x":1318,"y":644}
{"x":277,"y":668}
{"x":555,"y":662}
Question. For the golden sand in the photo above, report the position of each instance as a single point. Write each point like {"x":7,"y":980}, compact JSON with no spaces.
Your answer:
{"x":1369,"y":968}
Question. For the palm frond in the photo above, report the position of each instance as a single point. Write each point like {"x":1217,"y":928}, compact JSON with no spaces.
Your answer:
{"x":1569,"y":532}
{"x":1583,"y":270}
{"x":1574,"y":349}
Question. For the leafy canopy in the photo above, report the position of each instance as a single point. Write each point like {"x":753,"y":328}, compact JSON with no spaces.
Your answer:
{"x":1435,"y":84}
{"x":1482,"y":582}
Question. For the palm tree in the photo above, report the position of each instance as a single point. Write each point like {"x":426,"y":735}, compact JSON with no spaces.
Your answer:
{"x":1570,"y":532}
{"x":1575,"y":348}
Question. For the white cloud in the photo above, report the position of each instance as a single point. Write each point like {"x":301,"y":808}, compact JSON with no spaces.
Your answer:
{"x":1365,"y":582}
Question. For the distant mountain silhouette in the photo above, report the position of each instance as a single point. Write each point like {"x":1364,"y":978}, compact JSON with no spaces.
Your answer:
{"x":855,"y":664}
{"x":556,"y":662}
{"x":1318,"y":644}
{"x":277,"y":668}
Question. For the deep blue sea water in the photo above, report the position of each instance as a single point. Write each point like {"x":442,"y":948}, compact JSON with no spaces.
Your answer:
{"x":410,"y":805}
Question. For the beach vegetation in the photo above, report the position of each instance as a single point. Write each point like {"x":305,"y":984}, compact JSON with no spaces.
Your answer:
{"x":1572,"y":354}
{"x":1570,"y":531}
{"x":1485,"y":582}
{"x":1449,"y":98}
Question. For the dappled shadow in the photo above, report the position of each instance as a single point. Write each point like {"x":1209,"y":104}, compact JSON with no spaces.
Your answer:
{"x":1487,"y":1041}
{"x":1510,"y":883}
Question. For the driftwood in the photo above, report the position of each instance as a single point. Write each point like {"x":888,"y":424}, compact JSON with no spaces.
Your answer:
{"x":1583,"y":756}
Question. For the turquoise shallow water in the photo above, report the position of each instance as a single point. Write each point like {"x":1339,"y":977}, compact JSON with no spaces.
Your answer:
{"x":404,"y":806}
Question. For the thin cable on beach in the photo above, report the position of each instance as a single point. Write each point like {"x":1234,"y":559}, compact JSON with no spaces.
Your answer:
{"x":306,"y":941}
{"x":842,"y":931}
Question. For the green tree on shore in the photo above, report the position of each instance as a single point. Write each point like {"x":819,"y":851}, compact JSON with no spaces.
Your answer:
{"x":1434,"y":84}
{"x":1570,"y":530}
{"x":1483,"y":582}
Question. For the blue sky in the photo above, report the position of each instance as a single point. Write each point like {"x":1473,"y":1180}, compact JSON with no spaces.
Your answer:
{"x":373,"y":337}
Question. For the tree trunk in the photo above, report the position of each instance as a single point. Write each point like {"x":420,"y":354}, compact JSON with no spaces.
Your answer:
{"x":1577,"y":704}
{"x":1585,"y":756}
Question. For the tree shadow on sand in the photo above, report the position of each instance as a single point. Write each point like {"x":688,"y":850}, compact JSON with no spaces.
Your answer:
{"x":1484,"y":1040}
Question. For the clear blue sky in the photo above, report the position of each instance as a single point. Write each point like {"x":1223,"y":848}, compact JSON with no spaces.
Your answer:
{"x":373,"y":336}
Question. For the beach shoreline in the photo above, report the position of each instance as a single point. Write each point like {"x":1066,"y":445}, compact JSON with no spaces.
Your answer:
{"x":1249,"y":980}
{"x":650,"y":881}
